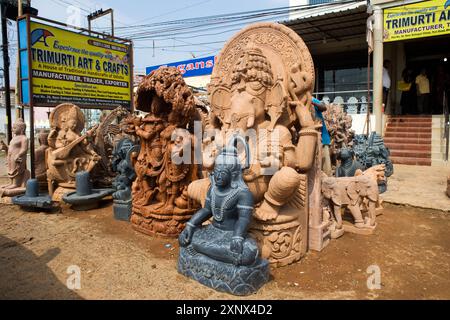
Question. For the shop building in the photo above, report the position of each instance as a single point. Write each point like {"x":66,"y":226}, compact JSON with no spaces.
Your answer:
{"x":412,"y":35}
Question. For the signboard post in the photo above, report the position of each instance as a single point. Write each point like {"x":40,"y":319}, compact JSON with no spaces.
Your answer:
{"x":58,"y":65}
{"x":417,"y":20}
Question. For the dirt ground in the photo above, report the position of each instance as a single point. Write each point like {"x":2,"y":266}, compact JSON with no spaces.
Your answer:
{"x":411,"y":247}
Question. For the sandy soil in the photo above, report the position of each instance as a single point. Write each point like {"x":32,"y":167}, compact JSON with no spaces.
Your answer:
{"x":411,"y":246}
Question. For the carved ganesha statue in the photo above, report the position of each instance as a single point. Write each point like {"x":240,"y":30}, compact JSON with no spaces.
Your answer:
{"x":261,"y":89}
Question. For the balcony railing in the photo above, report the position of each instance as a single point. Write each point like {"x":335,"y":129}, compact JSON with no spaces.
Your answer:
{"x":353,"y":102}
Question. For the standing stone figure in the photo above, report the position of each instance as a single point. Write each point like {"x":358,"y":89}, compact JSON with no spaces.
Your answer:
{"x":221,"y":255}
{"x":124,"y":155}
{"x":16,"y":161}
{"x":39,"y":160}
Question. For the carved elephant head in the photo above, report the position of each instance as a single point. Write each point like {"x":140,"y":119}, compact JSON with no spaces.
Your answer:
{"x":332,"y":190}
{"x":368,"y":187}
{"x":248,"y":104}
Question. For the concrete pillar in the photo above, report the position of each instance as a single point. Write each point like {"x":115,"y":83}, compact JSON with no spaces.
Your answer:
{"x":378,"y":68}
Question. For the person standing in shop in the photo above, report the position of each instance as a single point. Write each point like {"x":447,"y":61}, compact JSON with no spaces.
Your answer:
{"x":423,"y":91}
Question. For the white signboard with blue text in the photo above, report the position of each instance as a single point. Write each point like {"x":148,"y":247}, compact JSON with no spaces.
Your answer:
{"x":190,"y":68}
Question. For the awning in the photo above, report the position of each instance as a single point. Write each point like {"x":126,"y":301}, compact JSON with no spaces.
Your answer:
{"x":333,"y":22}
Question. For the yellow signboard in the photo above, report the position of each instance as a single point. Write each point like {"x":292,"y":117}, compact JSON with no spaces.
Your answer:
{"x":417,"y":20}
{"x":70,"y":67}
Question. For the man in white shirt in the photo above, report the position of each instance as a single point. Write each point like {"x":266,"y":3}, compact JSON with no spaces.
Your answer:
{"x":386,"y":82}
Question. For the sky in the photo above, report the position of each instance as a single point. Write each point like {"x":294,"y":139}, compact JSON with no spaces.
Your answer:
{"x":173,"y":47}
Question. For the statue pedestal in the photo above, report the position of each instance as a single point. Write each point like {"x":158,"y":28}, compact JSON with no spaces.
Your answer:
{"x":284,"y":240}
{"x":224,"y":277}
{"x":158,"y":222}
{"x":350,"y":227}
{"x":60,"y":192}
{"x":122,"y":209}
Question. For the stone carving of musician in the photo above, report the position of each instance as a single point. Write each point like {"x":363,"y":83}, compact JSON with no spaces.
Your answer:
{"x":69,"y":151}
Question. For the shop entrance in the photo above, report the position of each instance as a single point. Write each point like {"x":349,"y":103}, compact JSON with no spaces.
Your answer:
{"x":428,"y":61}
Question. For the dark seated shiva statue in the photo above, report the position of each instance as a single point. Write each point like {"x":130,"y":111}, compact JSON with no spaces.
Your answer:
{"x":221,"y":255}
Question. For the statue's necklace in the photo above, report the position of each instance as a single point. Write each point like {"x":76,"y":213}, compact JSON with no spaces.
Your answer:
{"x":229,"y":197}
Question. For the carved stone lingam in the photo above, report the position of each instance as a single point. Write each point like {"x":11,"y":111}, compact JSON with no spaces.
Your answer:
{"x":32,"y":200}
{"x":261,"y":87}
{"x":16,"y":162}
{"x":221,"y":255}
{"x":165,"y":165}
{"x":124,"y":156}
{"x":85,"y":197}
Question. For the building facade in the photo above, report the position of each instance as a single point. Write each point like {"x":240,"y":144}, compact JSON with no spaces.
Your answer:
{"x":415,"y":37}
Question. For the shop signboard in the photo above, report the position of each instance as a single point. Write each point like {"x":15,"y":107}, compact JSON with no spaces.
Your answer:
{"x":190,"y":68}
{"x":58,"y":65}
{"x":417,"y":20}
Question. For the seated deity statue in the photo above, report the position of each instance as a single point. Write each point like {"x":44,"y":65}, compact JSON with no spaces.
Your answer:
{"x":69,"y":152}
{"x":230,"y":203}
{"x":221,"y":254}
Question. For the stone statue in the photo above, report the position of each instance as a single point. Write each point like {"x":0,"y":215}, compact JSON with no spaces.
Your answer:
{"x":348,"y":165}
{"x":108,"y":133}
{"x":16,"y":161}
{"x":339,"y":125}
{"x":124,"y":156}
{"x":221,"y":255}
{"x":349,"y":193}
{"x":165,"y":165}
{"x":261,"y":88}
{"x":70,"y":151}
{"x":40,"y":166}
{"x":372,"y":152}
